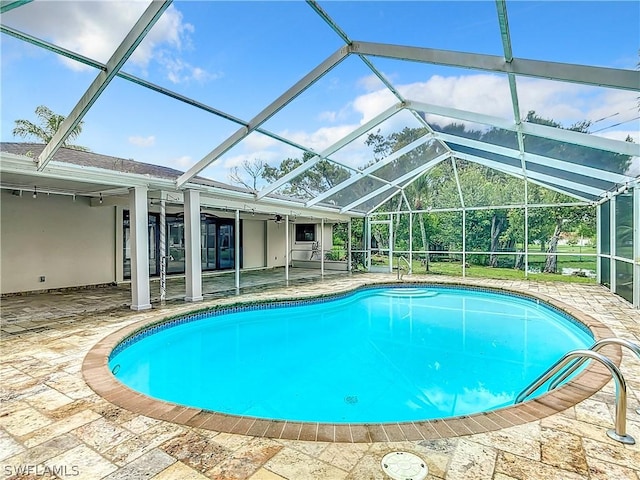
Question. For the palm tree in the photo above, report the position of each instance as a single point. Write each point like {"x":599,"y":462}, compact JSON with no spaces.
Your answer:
{"x":48,"y":125}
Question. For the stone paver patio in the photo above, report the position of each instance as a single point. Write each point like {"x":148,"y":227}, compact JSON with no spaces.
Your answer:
{"x":52,"y":425}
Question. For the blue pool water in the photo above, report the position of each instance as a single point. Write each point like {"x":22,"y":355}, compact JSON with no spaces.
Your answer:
{"x":376,"y":355}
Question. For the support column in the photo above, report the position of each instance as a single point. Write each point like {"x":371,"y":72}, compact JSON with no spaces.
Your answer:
{"x":139,"y":239}
{"x":192,"y":248}
{"x":368,"y":242}
{"x":612,"y":244}
{"x":349,"y":266}
{"x":599,"y":243}
{"x":287,"y":248}
{"x":237,"y":250}
{"x":636,"y":246}
{"x":322,"y":247}
{"x":526,"y":230}
{"x":464,"y":243}
{"x":391,"y":243}
{"x":163,"y":248}
{"x":410,"y":243}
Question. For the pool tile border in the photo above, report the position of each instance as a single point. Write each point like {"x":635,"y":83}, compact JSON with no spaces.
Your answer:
{"x":96,"y":372}
{"x":214,"y":311}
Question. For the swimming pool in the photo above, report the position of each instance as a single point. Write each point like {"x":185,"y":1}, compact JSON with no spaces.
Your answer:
{"x":392,"y":354}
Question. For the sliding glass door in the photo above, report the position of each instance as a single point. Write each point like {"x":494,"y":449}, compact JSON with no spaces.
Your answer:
{"x":217,"y":237}
{"x":226,"y":246}
{"x":208,"y":244}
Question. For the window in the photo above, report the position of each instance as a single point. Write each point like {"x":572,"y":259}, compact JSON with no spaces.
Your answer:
{"x":305,"y":232}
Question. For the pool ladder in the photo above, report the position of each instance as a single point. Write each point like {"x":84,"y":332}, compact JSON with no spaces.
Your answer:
{"x":401,"y":268}
{"x":571,"y":361}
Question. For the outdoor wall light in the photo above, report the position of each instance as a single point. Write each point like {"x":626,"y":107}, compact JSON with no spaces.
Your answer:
{"x":100,"y":198}
{"x":35,"y":192}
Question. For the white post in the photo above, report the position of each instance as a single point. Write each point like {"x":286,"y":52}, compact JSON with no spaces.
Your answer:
{"x":163,"y":248}
{"x":368,"y":242}
{"x":410,"y":243}
{"x":464,"y":243}
{"x":636,"y":247}
{"x":526,"y":229}
{"x":612,"y":244}
{"x":237,"y":249}
{"x":286,"y":248}
{"x":349,"y":246}
{"x":139,"y":225}
{"x":322,"y":247}
{"x":598,"y":243}
{"x":391,"y":242}
{"x":192,"y":248}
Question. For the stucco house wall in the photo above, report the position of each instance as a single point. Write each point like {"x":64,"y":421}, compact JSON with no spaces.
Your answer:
{"x":253,"y":243}
{"x":69,"y":243}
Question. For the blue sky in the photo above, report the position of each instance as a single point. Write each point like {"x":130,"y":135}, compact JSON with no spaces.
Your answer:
{"x":239,"y":56}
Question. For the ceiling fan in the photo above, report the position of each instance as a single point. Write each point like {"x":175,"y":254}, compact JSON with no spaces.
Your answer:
{"x":280,"y":218}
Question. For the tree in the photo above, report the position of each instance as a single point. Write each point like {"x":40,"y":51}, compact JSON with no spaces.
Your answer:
{"x":571,"y":153}
{"x":547,"y":224}
{"x":254,"y":169}
{"x":310,"y":183}
{"x":48,"y":124}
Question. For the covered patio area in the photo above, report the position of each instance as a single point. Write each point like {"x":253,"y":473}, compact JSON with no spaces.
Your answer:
{"x":31,"y":310}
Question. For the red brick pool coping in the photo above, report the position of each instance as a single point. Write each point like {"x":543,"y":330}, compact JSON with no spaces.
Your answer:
{"x":96,"y":372}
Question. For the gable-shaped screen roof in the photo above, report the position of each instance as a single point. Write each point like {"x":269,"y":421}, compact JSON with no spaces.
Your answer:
{"x":577,"y":162}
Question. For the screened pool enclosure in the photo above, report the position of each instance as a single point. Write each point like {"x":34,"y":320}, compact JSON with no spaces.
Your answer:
{"x":434,"y":137}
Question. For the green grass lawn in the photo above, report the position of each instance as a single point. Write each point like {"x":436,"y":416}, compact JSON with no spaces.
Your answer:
{"x":580,"y":258}
{"x":476,"y":271}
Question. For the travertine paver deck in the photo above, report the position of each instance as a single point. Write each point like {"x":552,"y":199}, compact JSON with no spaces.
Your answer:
{"x":53,"y":425}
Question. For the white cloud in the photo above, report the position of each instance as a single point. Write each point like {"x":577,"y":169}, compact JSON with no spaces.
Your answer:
{"x":341,"y":115}
{"x":328,"y":116}
{"x":621,"y":135}
{"x":142,"y":141}
{"x":371,"y":82}
{"x":371,"y":104}
{"x":321,"y":138}
{"x":179,"y":71}
{"x":616,"y":106}
{"x":95,"y":29}
{"x":634,"y":167}
{"x":266,"y":156}
{"x":183,"y":163}
{"x":258,"y":141}
{"x":482,"y":93}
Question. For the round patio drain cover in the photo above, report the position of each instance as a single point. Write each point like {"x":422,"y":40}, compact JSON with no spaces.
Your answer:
{"x":404,"y":466}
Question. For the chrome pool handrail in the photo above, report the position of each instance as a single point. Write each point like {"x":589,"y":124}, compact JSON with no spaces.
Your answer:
{"x":619,"y":433}
{"x":595,"y":347}
{"x":399,"y":269}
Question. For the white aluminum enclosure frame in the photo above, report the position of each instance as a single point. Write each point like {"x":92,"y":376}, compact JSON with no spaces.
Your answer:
{"x":524,"y":165}
{"x":137,"y":33}
{"x":508,"y":64}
